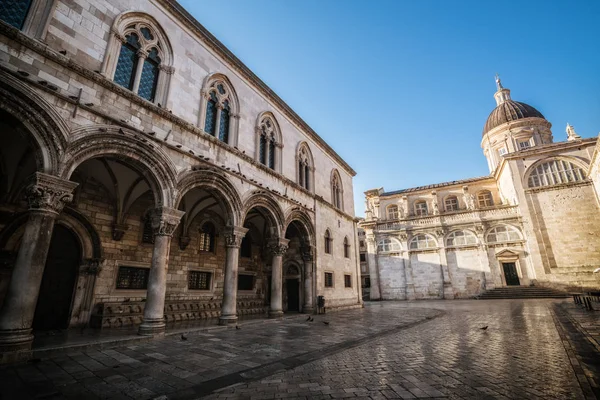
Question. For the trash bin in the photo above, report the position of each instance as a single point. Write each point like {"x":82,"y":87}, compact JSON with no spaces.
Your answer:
{"x":320,"y":304}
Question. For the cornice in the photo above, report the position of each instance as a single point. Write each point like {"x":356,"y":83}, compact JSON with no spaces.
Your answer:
{"x":550,"y":148}
{"x":177,"y":10}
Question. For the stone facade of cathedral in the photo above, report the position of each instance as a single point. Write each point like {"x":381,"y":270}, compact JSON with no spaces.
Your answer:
{"x":147,"y":176}
{"x":535,"y":220}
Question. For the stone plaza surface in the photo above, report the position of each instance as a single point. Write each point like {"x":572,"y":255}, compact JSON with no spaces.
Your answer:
{"x":435,"y":349}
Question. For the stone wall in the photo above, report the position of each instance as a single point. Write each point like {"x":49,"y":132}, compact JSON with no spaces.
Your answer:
{"x":427,"y":275}
{"x":466,"y":272}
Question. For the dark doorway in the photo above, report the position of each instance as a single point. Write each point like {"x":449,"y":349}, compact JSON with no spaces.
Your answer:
{"x":56,"y":292}
{"x":293,"y":294}
{"x":510,"y":274}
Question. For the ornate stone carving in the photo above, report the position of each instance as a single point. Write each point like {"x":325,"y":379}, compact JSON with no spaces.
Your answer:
{"x":91,"y":266}
{"x":167,"y":69}
{"x":403,"y":236}
{"x":278,"y":247}
{"x":49,"y":193}
{"x":306,"y":253}
{"x":165,"y":220}
{"x":234,"y":235}
{"x":440,"y":233}
{"x":184,"y":242}
{"x":118,"y":230}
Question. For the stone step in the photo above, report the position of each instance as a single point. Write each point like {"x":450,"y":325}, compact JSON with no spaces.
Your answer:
{"x":522,"y":292}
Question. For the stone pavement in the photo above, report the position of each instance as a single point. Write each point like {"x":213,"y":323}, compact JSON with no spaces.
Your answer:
{"x":436,"y":349}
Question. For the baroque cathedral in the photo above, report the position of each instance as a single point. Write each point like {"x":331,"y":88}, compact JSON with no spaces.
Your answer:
{"x":148,"y":176}
{"x":534,"y":221}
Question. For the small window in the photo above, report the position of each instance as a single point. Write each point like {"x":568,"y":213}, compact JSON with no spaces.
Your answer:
{"x":502,"y":151}
{"x":367,"y":282}
{"x":461,"y":238}
{"x":207,"y":237}
{"x":485,"y":199}
{"x":328,"y":279}
{"x":363,"y":257}
{"x":327,"y":242}
{"x":388,"y":245}
{"x":451,"y":203}
{"x":362,"y":244}
{"x":246,"y":247}
{"x":421,"y":208}
{"x":132,"y":278}
{"x":346,"y":248}
{"x":503,"y":233}
{"x":199,"y":280}
{"x":420,"y":242}
{"x":348,"y":281}
{"x":524,"y":145}
{"x":245,"y":282}
{"x":392,"y":212}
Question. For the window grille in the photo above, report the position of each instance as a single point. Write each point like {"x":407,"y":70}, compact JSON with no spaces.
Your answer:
{"x":132,"y":278}
{"x":328,"y":279}
{"x":348,"y":281}
{"x":207,"y":237}
{"x":199,"y":280}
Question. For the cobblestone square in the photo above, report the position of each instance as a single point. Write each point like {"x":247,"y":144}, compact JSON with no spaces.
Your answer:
{"x":388,"y":350}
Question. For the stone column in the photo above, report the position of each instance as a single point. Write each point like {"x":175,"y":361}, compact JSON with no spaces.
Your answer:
{"x":307,"y":257}
{"x":164,"y":221}
{"x":277,"y":247}
{"x":47,"y":195}
{"x":142,"y":55}
{"x":233,"y":240}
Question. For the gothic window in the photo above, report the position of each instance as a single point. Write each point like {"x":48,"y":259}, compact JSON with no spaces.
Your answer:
{"x":304,"y":164}
{"x":485,"y":199}
{"x":346,"y":248}
{"x":139,"y":57}
{"x":555,"y":172}
{"x":422,"y":241}
{"x":246,"y":247}
{"x":327,"y":242}
{"x":337,"y":192}
{"x":451,"y":203}
{"x":207,"y":237}
{"x":392,"y":212}
{"x":421,"y":208}
{"x":269,"y":141}
{"x":388,"y":246}
{"x":220,"y":109}
{"x":461,"y":238}
{"x":14,"y":12}
{"x":199,"y":280}
{"x":503,"y":233}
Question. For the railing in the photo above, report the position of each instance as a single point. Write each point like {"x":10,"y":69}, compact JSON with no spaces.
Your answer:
{"x":480,"y":215}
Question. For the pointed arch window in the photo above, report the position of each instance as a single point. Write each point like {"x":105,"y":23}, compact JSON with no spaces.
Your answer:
{"x":269,"y":139}
{"x":30,"y":16}
{"x":327,"y":242}
{"x":346,"y":248}
{"x":304,"y":167}
{"x":207,"y":237}
{"x":220,"y":111}
{"x":336,"y":190}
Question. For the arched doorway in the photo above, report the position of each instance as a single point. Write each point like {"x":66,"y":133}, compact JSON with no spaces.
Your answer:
{"x":58,"y":283}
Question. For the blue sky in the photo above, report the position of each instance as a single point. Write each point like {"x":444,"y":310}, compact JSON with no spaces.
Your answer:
{"x":402,"y":89}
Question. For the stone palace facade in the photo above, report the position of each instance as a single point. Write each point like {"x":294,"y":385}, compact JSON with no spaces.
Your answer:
{"x":147,"y":176}
{"x":535,"y":220}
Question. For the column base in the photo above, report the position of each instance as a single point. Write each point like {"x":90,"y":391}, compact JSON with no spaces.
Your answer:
{"x":152,"y":327}
{"x":275,"y":314}
{"x":15,"y":345}
{"x":308,"y":310}
{"x":228,"y":319}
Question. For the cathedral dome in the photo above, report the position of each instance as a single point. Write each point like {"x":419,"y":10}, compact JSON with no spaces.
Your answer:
{"x":510,"y":110}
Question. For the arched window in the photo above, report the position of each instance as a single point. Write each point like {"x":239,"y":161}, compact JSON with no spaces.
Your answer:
{"x":207,"y":237}
{"x":246,"y":246}
{"x":485,"y":199}
{"x":422,"y":241}
{"x":461,"y":238}
{"x":14,"y":12}
{"x":346,"y":248}
{"x":327,"y":242}
{"x":555,"y":172}
{"x":30,"y":16}
{"x":421,"y":208}
{"x":388,"y":245}
{"x":139,"y":57}
{"x":269,"y":141}
{"x":220,"y":109}
{"x":503,"y":233}
{"x":392,"y":212}
{"x":304,"y":166}
{"x":337,"y":193}
{"x":451,"y":203}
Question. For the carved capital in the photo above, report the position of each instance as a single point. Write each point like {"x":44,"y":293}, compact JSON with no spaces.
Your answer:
{"x":118,"y":230}
{"x":168,"y":69}
{"x":48,"y":193}
{"x":306,"y":253}
{"x":165,"y":220}
{"x":118,"y":35}
{"x":141,"y":53}
{"x":91,"y":266}
{"x":278,"y":247}
{"x":184,"y":242}
{"x":233,"y":236}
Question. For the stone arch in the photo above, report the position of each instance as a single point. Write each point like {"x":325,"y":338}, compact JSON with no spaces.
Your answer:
{"x":48,"y":133}
{"x":217,"y":76}
{"x":149,"y":159}
{"x":274,"y":214}
{"x":574,"y":161}
{"x":296,"y":214}
{"x":216,"y":183}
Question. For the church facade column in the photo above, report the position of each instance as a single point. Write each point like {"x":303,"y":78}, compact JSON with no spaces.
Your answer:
{"x":309,"y":301}
{"x":233,"y":240}
{"x":46,"y":195}
{"x":277,"y":247}
{"x":164,"y":221}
